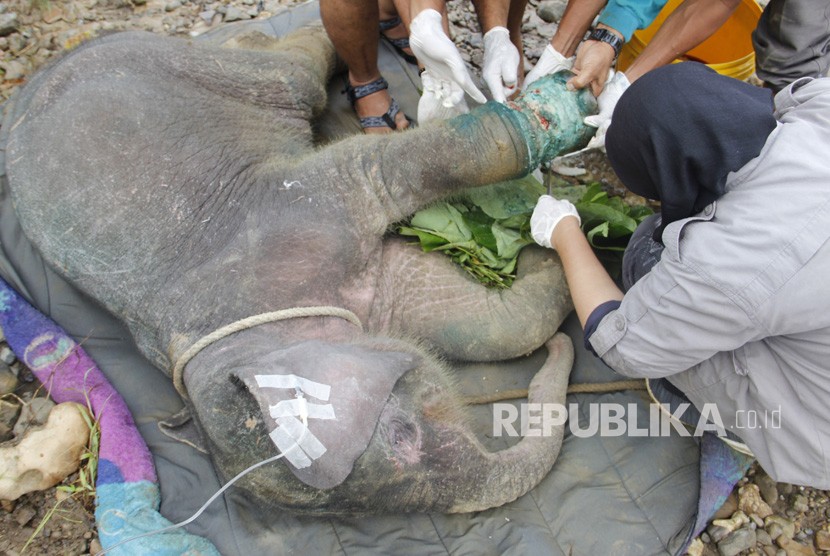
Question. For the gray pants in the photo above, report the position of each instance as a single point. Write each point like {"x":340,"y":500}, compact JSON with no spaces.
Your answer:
{"x":792,"y":40}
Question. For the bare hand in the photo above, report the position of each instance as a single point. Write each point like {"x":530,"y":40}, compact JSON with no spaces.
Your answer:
{"x":593,"y":60}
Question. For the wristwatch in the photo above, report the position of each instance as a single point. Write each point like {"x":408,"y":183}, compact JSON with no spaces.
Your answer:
{"x":606,"y":36}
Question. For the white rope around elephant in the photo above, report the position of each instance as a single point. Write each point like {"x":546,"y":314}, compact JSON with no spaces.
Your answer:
{"x":250,"y":322}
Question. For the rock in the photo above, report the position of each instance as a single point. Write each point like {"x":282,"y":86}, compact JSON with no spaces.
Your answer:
{"x":695,"y":549}
{"x":17,"y":43}
{"x":33,"y":414}
{"x":24,"y":515}
{"x":793,"y":548}
{"x":750,"y":501}
{"x":738,"y":541}
{"x":139,"y":2}
{"x":7,"y":356}
{"x":776,"y":526}
{"x":44,"y":456}
{"x":738,"y":520}
{"x":174,"y":5}
{"x":822,"y":540}
{"x":207,"y":15}
{"x":8,"y":23}
{"x":95,"y":546}
{"x":8,"y":380}
{"x":729,"y":507}
{"x":768,"y":488}
{"x":13,"y":70}
{"x":717,"y":534}
{"x":763,"y":537}
{"x":799,"y":504}
{"x":551,"y":10}
{"x":9,"y":411}
{"x":235,"y":14}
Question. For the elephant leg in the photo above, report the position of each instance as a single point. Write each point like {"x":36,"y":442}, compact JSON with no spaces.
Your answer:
{"x":426,"y":295}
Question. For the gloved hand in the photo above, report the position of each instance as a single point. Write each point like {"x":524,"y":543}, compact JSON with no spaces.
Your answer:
{"x":441,"y":59}
{"x":615,"y":86}
{"x":431,"y":105}
{"x":551,"y":61}
{"x":501,"y":63}
{"x":547,"y":214}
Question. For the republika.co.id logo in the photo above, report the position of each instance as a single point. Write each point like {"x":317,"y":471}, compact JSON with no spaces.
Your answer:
{"x":615,"y":419}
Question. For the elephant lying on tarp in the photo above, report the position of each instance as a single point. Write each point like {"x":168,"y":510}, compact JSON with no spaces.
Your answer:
{"x":179,"y":186}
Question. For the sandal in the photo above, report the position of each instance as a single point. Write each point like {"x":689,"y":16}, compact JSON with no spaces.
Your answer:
{"x":398,"y":44}
{"x":386,"y":120}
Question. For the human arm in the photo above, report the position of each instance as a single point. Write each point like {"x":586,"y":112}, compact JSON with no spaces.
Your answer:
{"x":555,"y":223}
{"x":620,"y":17}
{"x":441,"y":59}
{"x":689,"y":25}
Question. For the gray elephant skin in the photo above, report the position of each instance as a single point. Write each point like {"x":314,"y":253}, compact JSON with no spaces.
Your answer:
{"x":180,"y":186}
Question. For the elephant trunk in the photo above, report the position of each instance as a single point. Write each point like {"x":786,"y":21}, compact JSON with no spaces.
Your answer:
{"x":501,"y":477}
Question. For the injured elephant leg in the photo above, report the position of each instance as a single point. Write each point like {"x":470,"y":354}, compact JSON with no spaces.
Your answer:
{"x":383,"y":180}
{"x":426,"y":295}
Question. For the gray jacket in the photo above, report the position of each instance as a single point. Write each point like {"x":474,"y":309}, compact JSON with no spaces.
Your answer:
{"x":737,"y":312}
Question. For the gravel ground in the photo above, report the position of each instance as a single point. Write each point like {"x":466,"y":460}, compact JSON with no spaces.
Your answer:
{"x":761,"y":517}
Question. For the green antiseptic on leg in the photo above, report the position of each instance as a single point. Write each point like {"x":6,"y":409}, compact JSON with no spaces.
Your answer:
{"x":551,"y":117}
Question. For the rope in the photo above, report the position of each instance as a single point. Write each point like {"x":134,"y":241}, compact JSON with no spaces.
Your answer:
{"x":586,"y":388}
{"x":251,"y":322}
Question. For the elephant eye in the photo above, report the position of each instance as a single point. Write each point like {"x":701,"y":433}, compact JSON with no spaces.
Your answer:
{"x":404,"y":439}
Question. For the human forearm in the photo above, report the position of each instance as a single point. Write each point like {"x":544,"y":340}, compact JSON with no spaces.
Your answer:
{"x":491,"y":13}
{"x":689,"y":25}
{"x":588,"y":280}
{"x":575,"y":22}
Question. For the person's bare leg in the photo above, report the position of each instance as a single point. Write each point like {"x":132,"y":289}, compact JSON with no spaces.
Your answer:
{"x":389,"y":9}
{"x":352,"y":26}
{"x":514,"y":25}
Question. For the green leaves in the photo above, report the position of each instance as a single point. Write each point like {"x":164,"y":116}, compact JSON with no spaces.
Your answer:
{"x":485,"y":228}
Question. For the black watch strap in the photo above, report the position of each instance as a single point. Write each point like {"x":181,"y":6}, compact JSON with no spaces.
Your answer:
{"x":606,"y":36}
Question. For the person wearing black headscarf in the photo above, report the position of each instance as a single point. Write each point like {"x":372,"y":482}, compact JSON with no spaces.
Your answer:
{"x":725,"y":300}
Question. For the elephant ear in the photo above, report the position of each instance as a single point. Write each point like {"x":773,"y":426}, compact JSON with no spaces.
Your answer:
{"x":342,"y":389}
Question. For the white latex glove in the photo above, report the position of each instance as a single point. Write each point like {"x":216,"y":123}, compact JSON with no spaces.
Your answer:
{"x":432,"y":106}
{"x":607,"y":101}
{"x":547,"y":214}
{"x":501,"y":63}
{"x":551,"y":61}
{"x":441,"y":58}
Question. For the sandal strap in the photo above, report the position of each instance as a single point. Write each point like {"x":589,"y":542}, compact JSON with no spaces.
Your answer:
{"x":400,"y":43}
{"x":388,"y":24}
{"x":386,"y":120}
{"x":354,"y":93}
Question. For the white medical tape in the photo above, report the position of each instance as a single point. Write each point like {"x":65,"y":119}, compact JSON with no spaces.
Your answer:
{"x":293,"y":407}
{"x":316,"y":389}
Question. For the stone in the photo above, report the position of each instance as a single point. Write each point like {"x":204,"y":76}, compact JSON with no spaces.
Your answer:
{"x":822,"y":540}
{"x":95,"y":546}
{"x":793,"y":548}
{"x":8,"y":380}
{"x":763,"y":537}
{"x":551,"y":10}
{"x":736,"y":542}
{"x":738,"y":520}
{"x":729,"y":507}
{"x":174,"y":5}
{"x":695,"y":549}
{"x":9,"y":411}
{"x":44,"y":456}
{"x":750,"y":501}
{"x":799,"y":504}
{"x":776,"y":525}
{"x":717,"y":534}
{"x":768,"y":488}
{"x":139,"y":2}
{"x":207,"y":15}
{"x":24,"y":514}
{"x":8,"y":23}
{"x":235,"y":14}
{"x":33,"y":414}
{"x":8,"y":505}
{"x":7,"y":356}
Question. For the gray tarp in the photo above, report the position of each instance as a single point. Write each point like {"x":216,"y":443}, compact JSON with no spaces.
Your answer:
{"x":605,"y":495}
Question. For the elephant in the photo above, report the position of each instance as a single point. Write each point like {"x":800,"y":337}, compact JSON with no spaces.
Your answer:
{"x":180,"y":186}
